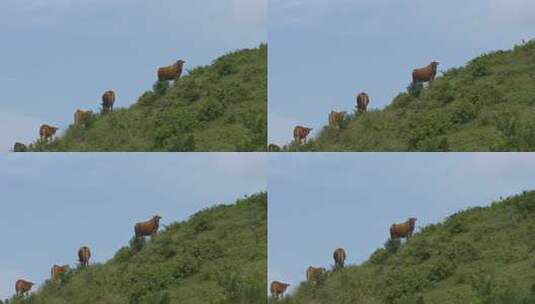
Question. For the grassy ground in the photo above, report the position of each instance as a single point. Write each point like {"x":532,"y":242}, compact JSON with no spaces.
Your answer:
{"x":218,"y":256}
{"x":488,"y":105}
{"x":479,"y":255}
{"x":220,"y":107}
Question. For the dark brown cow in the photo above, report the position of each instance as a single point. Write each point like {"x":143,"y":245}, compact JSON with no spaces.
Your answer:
{"x":425,"y":74}
{"x":84,"y":254}
{"x":81,"y":117}
{"x":336,"y":118}
{"x":147,"y":228}
{"x":57,"y":271}
{"x":362,"y":102}
{"x":46,"y":132}
{"x":339,"y":256}
{"x":172,"y":72}
{"x":314,"y":274}
{"x":23,"y":287}
{"x":300,"y":134}
{"x":403,"y":230}
{"x":108,"y":99}
{"x":278,"y":289}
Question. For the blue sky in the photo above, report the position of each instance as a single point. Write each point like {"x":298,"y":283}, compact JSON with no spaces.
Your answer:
{"x":52,"y":204}
{"x":61,"y":55}
{"x":323,"y":52}
{"x":319,"y":202}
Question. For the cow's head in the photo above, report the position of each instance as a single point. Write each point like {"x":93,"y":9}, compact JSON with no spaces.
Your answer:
{"x":180,"y":62}
{"x":156,"y":218}
{"x":284,"y":286}
{"x":412,"y":222}
{"x":54,"y":129}
{"x":30,"y":284}
{"x":434,"y":65}
{"x":307,"y":131}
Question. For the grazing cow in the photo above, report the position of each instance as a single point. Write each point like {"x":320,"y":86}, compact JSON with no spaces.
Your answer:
{"x":108,"y":99}
{"x":46,"y":132}
{"x":274,"y":148}
{"x":336,"y":118}
{"x":81,"y":117}
{"x":314,"y":274}
{"x":425,"y":74}
{"x":339,"y":256}
{"x":362,"y":102}
{"x":403,"y":230}
{"x":300,"y":134}
{"x":172,"y":72}
{"x":19,"y":147}
{"x":57,"y":271}
{"x":149,"y":227}
{"x":278,"y":289}
{"x":23,"y":287}
{"x":84,"y":254}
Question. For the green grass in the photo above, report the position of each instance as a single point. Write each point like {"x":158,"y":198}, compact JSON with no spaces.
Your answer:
{"x":218,"y":256}
{"x":479,"y":255}
{"x":220,"y":107}
{"x":488,"y":105}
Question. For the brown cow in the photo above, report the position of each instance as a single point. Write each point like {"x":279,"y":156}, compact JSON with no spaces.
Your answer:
{"x":149,"y":227}
{"x":57,"y":271}
{"x":81,"y":117}
{"x":336,"y":118}
{"x":108,"y":99}
{"x":46,"y":132}
{"x":314,"y":274}
{"x":172,"y":72}
{"x":403,"y":230}
{"x":23,"y":287}
{"x":425,"y":74}
{"x":300,"y":134}
{"x":339,"y":256}
{"x":84,"y":254}
{"x":278,"y":289}
{"x":362,"y":102}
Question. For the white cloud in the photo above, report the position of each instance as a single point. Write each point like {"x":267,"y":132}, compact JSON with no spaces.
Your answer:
{"x":17,"y":128}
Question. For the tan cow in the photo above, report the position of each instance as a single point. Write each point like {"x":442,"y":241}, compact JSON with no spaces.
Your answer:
{"x":403,"y":230}
{"x":147,"y":228}
{"x":84,"y":254}
{"x":339,"y":256}
{"x":300,"y":134}
{"x":23,"y":287}
{"x":425,"y":74}
{"x":278,"y":289}
{"x":81,"y":117}
{"x":314,"y":274}
{"x":108,"y":99}
{"x":46,"y":132}
{"x":172,"y":72}
{"x":336,"y":118}
{"x":57,"y":271}
{"x":362,"y":102}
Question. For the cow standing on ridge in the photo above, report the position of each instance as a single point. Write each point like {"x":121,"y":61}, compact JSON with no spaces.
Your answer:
{"x":147,"y":228}
{"x":300,"y":134}
{"x":313,"y":274}
{"x":108,"y":99}
{"x":23,"y":287}
{"x":81,"y":117}
{"x":336,"y":118}
{"x":172,"y":72}
{"x":339,"y":256}
{"x":425,"y":74}
{"x":84,"y":254}
{"x":362,"y":102}
{"x":47,"y":132}
{"x":403,"y":230}
{"x":57,"y":271}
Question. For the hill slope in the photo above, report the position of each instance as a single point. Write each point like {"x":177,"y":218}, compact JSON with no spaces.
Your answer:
{"x":220,"y":107}
{"x":218,"y":256}
{"x":480,"y":255}
{"x":488,"y":105}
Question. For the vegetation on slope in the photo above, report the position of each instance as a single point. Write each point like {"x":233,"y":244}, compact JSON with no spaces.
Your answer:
{"x":488,"y":105}
{"x":218,"y":256}
{"x":220,"y":107}
{"x":480,"y":255}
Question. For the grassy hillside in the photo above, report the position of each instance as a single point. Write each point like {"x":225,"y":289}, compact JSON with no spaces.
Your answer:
{"x":220,"y":107}
{"x":218,"y":256}
{"x":488,"y":105}
{"x":480,"y":255}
